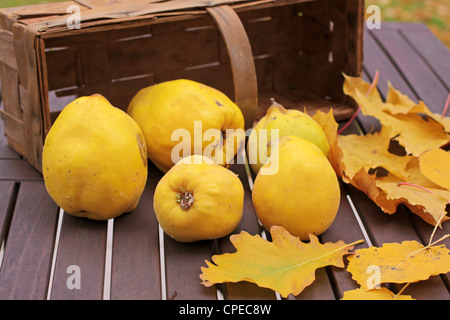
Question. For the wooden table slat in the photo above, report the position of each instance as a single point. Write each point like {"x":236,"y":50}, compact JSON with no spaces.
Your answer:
{"x":415,"y":70}
{"x":79,"y":269}
{"x":6,"y":205}
{"x":136,"y":264}
{"x":28,"y":253}
{"x":17,"y":170}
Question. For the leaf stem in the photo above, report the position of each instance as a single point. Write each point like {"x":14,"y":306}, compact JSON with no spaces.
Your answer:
{"x":413,"y":185}
{"x":424,"y":248}
{"x":401,"y":290}
{"x":350,"y":120}
{"x":435,"y":227}
{"x":439,"y":240}
{"x":447,"y":103}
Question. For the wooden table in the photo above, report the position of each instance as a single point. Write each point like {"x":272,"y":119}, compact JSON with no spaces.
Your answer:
{"x":130,"y":258}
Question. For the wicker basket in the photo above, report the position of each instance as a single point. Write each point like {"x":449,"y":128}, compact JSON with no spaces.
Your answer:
{"x":294,"y":51}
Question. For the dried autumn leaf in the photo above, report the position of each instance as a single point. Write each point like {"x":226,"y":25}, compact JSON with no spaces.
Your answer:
{"x":330,"y":127}
{"x":435,"y":165}
{"x":286,"y":265}
{"x":418,"y":128}
{"x":420,"y":195}
{"x":367,"y":162}
{"x":399,"y":103}
{"x":367,"y":183}
{"x":370,"y":152}
{"x":418,"y":133}
{"x":427,"y":202}
{"x":376,"y":294}
{"x":407,"y":262}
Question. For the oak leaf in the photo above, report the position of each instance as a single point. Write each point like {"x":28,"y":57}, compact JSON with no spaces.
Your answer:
{"x":286,"y":265}
{"x":407,"y":262}
{"x":375,"y":294}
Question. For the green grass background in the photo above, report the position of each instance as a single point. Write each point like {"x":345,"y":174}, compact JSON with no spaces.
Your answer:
{"x":434,"y":13}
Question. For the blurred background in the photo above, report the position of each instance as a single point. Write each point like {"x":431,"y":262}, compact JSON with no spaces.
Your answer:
{"x":434,"y":13}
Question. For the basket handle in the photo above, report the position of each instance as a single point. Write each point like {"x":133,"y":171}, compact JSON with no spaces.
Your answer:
{"x":241,"y":59}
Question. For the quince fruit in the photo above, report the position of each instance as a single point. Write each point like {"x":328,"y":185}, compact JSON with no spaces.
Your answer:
{"x":304,"y":195}
{"x":186,"y":110}
{"x":94,"y":160}
{"x":198,"y":199}
{"x":289,"y":122}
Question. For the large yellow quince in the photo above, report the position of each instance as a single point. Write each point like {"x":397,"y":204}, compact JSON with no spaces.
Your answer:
{"x":182,"y":117}
{"x":303,"y":196}
{"x":94,"y":160}
{"x":288,"y":122}
{"x":198,"y":200}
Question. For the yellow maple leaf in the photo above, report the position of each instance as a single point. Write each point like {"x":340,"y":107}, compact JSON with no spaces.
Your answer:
{"x":375,"y":294}
{"x":418,"y":128}
{"x":420,"y":195}
{"x":407,"y":262}
{"x":399,"y":103}
{"x":330,"y":127}
{"x":427,"y":202}
{"x":435,"y":165}
{"x":368,"y":163}
{"x":286,"y":265}
{"x":370,"y":152}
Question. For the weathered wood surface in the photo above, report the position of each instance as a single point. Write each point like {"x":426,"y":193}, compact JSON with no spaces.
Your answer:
{"x":131,"y":259}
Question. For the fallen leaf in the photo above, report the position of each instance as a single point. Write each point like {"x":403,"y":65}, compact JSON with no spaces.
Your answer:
{"x":407,"y":262}
{"x":367,"y":183}
{"x":418,"y":128}
{"x":427,"y":202}
{"x":419,"y":194}
{"x":375,"y":294}
{"x":330,"y":127}
{"x":389,"y":175}
{"x":286,"y":265}
{"x":417,"y":133}
{"x":370,"y":152}
{"x":435,"y":165}
{"x":399,"y":103}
